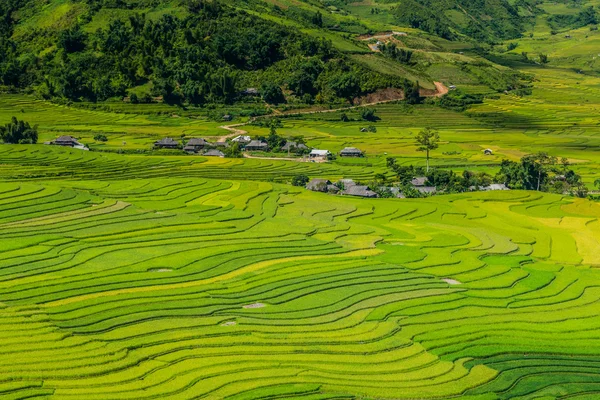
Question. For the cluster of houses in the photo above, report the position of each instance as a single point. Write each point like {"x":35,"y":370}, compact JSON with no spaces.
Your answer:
{"x":350,"y":188}
{"x":201,"y":146}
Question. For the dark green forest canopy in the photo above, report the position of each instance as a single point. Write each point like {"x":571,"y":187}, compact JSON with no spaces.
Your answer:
{"x":209,"y":55}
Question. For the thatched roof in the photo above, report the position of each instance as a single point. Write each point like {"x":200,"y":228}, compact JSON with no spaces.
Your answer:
{"x":293,"y":145}
{"x":359,"y":190}
{"x":350,"y":151}
{"x":167,"y":142}
{"x":214,"y":153}
{"x":419,"y":181}
{"x":318,"y":185}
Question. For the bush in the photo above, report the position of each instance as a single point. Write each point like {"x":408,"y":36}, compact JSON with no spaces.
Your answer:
{"x":100,"y":138}
{"x":368,"y":114}
{"x":300,"y":180}
{"x":272,"y":93}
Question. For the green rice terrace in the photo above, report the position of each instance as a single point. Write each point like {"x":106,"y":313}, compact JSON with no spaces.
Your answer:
{"x":134,"y":269}
{"x":198,"y":288}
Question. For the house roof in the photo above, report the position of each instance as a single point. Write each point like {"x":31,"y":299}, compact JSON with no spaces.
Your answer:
{"x":197,"y":142}
{"x":347,"y":182}
{"x":221,"y":144}
{"x":426,"y":189}
{"x":315,"y":184}
{"x":496,"y":186}
{"x":65,"y":139}
{"x":257,"y":143}
{"x":397,"y":192}
{"x":290,"y":145}
{"x":359,"y":190}
{"x":214,"y":153}
{"x":350,"y":150}
{"x":419,"y":181}
{"x":166,"y":141}
{"x":488,"y":151}
{"x":241,"y":138}
{"x":251,"y":92}
{"x":316,"y":152}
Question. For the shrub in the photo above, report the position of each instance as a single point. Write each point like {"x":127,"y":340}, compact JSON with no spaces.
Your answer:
{"x":300,"y":180}
{"x":100,"y":138}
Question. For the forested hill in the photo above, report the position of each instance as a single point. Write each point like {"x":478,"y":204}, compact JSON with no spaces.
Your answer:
{"x":209,"y":51}
{"x":198,"y":52}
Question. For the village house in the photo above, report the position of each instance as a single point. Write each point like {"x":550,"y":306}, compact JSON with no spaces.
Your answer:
{"x":496,"y":186}
{"x":351,"y":152}
{"x":293,"y":146}
{"x":227,"y":118}
{"x":346,"y":183}
{"x":166,"y":143}
{"x":242,"y":139}
{"x":318,"y":185}
{"x":257,"y":145}
{"x":359,"y":191}
{"x":67,"y":141}
{"x":426,"y":189}
{"x":214,"y":153}
{"x":194,"y":145}
{"x":319,"y":154}
{"x":251,"y":92}
{"x":488,"y":152}
{"x":221,"y":144}
{"x":418,"y":181}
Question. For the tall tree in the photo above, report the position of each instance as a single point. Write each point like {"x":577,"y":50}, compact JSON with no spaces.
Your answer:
{"x":427,"y":140}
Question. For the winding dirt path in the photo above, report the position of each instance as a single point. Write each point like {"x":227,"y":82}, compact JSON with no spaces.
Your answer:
{"x":234,"y":131}
{"x":440,"y":90}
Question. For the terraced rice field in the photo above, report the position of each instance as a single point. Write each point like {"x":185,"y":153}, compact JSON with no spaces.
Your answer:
{"x":187,"y":288}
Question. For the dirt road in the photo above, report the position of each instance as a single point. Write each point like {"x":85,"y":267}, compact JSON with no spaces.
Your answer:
{"x":440,"y":90}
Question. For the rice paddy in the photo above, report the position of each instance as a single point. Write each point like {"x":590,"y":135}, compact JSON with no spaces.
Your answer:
{"x":178,"y":288}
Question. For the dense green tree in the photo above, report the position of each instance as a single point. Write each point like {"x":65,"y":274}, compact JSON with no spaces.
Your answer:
{"x":272,"y":93}
{"x":18,"y":132}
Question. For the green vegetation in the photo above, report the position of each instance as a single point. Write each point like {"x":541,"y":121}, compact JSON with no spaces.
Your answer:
{"x":18,"y":132}
{"x":134,"y":273}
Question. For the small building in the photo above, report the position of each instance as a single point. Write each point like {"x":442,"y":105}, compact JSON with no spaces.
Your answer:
{"x":397,"y":193}
{"x":351,"y":152}
{"x":418,"y":181}
{"x":364,"y":130}
{"x":318,"y":185}
{"x":319,"y":154}
{"x":242,"y":139}
{"x":166,"y":143}
{"x":427,"y":189}
{"x":257,"y":145}
{"x":194,"y":145}
{"x":292,"y":146}
{"x":214,"y":153}
{"x":346,"y":183}
{"x":488,"y":152}
{"x":452,"y":87}
{"x":67,"y":141}
{"x":221,"y":144}
{"x":251,"y":92}
{"x":496,"y":186}
{"x":359,"y":191}
{"x":227,"y":118}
